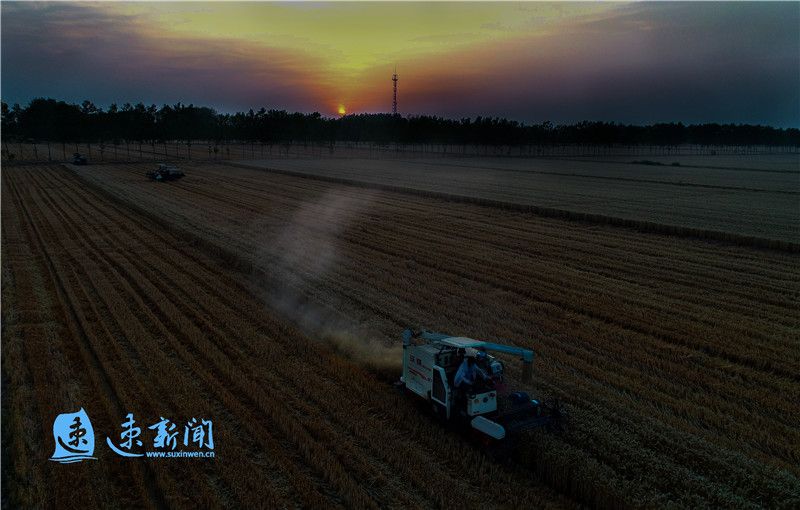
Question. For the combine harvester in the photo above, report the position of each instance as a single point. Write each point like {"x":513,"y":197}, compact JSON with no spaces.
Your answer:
{"x":430,"y":364}
{"x":164,"y":173}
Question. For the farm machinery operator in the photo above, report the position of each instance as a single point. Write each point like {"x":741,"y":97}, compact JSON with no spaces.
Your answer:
{"x":468,"y":371}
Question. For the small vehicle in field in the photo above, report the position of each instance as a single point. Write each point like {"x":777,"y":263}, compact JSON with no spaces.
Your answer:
{"x":79,"y":159}
{"x":165,"y":172}
{"x":434,"y":365}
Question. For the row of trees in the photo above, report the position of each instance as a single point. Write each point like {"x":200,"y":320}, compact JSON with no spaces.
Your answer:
{"x":48,"y":119}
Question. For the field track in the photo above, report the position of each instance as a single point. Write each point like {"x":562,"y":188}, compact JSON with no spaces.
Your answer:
{"x":678,"y":358}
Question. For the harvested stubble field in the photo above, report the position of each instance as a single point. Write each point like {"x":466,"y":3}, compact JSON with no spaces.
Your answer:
{"x":756,"y":205}
{"x":274,"y":303}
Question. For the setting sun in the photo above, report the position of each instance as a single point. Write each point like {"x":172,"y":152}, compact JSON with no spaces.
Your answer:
{"x":342,"y":110}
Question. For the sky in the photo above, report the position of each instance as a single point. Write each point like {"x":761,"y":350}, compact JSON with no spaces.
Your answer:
{"x":563,"y":62}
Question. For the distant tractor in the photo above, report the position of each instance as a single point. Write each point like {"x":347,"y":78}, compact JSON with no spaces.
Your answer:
{"x":432,"y":369}
{"x":79,"y":159}
{"x":165,"y":172}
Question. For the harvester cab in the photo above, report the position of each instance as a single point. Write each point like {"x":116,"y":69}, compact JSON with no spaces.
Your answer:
{"x":165,"y":172}
{"x":430,"y":363}
{"x":79,"y":159}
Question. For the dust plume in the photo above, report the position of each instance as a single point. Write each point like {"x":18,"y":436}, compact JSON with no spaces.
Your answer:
{"x":300,"y":259}
{"x":367,"y":350}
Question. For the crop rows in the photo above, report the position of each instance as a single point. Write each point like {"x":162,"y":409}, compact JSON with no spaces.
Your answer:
{"x":144,"y":323}
{"x":718,"y":204}
{"x":678,"y":357}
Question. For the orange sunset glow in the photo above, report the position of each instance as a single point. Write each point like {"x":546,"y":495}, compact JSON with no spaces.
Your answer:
{"x":531,"y":61}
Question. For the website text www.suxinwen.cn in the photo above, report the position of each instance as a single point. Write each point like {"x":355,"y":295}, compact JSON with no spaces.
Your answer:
{"x":169,"y":455}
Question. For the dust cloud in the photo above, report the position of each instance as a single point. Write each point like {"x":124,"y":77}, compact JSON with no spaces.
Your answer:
{"x":300,"y":258}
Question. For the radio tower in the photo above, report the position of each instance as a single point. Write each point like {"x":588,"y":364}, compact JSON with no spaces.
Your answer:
{"x":394,"y":96}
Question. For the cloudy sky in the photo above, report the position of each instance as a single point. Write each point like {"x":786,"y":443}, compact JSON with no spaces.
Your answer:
{"x":624,"y":62}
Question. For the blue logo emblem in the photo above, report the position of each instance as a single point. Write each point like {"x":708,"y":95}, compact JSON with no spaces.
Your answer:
{"x":74,"y":437}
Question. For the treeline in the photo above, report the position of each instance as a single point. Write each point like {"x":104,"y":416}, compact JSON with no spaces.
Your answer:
{"x":51,"y":120}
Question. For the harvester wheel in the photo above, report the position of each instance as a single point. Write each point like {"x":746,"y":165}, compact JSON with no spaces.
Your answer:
{"x":440,"y":412}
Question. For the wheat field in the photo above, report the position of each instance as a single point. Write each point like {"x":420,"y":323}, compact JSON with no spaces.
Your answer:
{"x":274,"y":303}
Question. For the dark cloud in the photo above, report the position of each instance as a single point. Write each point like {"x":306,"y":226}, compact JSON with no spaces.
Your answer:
{"x":709,"y":62}
{"x":73,"y":52}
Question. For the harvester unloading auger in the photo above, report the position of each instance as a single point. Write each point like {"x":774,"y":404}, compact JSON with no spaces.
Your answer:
{"x":431,"y":364}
